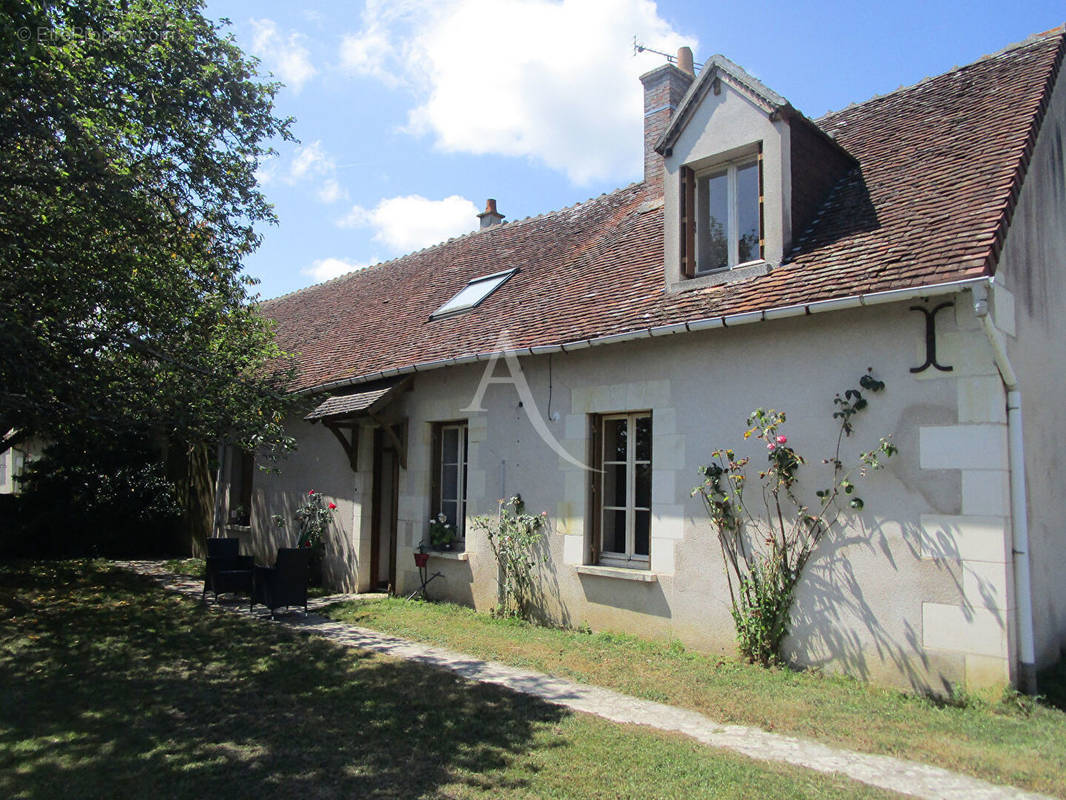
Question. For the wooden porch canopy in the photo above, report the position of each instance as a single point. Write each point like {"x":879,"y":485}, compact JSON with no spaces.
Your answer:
{"x":344,"y":412}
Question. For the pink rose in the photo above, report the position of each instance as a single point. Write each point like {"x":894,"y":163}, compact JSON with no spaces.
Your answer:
{"x":782,"y":439}
{"x":332,"y":506}
{"x":770,"y":446}
{"x":310,"y":492}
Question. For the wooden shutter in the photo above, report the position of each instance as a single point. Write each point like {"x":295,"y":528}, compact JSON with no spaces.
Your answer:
{"x":595,"y":486}
{"x":688,"y":222}
{"x":435,"y":460}
{"x":762,"y":226}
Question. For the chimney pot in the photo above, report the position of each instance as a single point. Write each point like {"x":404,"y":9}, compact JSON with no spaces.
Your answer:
{"x":684,"y":60}
{"x":490,"y":216}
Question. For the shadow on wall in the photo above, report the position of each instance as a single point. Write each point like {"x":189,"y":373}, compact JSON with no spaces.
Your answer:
{"x":546,"y":601}
{"x":339,"y":566}
{"x":833,"y":622}
{"x":648,"y":599}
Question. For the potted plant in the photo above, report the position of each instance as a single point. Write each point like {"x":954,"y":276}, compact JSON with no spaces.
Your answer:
{"x":311,"y":519}
{"x":441,"y":532}
{"x":421,"y":556}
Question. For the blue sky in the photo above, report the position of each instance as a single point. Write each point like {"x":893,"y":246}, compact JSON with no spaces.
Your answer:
{"x":411,"y":113}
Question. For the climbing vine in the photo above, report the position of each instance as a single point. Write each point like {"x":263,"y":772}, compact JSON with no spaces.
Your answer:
{"x":514,"y":537}
{"x":765,"y":554}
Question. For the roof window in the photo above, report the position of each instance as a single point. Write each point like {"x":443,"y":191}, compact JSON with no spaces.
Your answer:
{"x":473,"y":294}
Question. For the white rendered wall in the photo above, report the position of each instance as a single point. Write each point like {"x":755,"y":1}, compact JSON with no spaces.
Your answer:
{"x":915,"y":592}
{"x":1029,"y":306}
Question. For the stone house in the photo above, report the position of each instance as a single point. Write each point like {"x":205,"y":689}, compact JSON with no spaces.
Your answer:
{"x":766,"y":259}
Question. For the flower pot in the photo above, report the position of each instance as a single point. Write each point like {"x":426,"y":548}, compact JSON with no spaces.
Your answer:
{"x":421,"y":559}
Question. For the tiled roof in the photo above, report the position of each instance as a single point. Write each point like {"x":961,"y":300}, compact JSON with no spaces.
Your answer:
{"x":352,"y":404}
{"x":940,"y":165}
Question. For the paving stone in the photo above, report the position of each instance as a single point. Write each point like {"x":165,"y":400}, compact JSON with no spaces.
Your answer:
{"x":886,"y":772}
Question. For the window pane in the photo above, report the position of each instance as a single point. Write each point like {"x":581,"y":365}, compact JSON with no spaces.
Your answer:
{"x":643,"y":534}
{"x":449,"y":482}
{"x":450,"y":449}
{"x":450,"y":509}
{"x":643,"y":486}
{"x":643,"y":438}
{"x":712,"y":227}
{"x":614,"y":485}
{"x":614,"y":531}
{"x":614,"y":439}
{"x":748,"y":212}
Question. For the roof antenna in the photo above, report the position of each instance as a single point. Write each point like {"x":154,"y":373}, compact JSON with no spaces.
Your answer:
{"x":639,"y":48}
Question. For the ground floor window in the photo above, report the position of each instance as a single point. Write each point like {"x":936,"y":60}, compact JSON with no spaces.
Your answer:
{"x":622,"y":490}
{"x":450,"y":440}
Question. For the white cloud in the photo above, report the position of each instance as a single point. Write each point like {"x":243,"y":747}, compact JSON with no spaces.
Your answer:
{"x":368,"y":53}
{"x":331,"y":191}
{"x":285,"y":56}
{"x":323,"y":269}
{"x":310,"y":160}
{"x":553,"y":80}
{"x":412,"y":222}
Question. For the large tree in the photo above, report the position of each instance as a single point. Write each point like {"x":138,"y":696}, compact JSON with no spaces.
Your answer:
{"x":130,"y":133}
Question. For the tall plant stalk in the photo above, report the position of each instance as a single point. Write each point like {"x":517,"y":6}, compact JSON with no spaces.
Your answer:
{"x":765,"y":554}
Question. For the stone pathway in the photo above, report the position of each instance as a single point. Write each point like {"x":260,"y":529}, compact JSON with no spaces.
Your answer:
{"x":897,"y":775}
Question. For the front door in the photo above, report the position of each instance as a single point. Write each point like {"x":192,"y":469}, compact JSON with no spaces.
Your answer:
{"x":383,"y":543}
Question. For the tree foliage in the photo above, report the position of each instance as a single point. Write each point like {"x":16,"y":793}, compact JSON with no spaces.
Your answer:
{"x":130,"y":132}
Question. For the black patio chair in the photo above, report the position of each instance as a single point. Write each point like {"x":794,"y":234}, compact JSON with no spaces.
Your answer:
{"x":284,"y":584}
{"x":227,"y":570}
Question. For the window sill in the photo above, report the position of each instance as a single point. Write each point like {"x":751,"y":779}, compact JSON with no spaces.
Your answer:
{"x":740,"y":272}
{"x":622,"y":573}
{"x":449,"y":555}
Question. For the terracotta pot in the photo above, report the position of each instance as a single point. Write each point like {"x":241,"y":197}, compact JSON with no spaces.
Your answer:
{"x":421,"y":559}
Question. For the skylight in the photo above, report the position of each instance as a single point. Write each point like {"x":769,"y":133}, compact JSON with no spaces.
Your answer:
{"x":473,"y":293}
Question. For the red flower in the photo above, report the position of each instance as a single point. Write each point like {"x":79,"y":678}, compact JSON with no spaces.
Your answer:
{"x":307,"y":544}
{"x":332,"y":506}
{"x":310,"y":492}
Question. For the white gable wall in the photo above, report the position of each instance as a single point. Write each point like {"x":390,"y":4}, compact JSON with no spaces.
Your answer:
{"x":1030,"y":307}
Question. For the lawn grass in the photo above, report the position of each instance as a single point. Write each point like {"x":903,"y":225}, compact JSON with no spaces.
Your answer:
{"x":999,"y":742}
{"x":111,"y":687}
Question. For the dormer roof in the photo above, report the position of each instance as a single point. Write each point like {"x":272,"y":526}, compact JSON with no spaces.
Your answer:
{"x":720,"y":68}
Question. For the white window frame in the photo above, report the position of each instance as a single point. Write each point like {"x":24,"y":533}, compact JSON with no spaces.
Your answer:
{"x":733,"y":210}
{"x":629,"y":558}
{"x":488,"y":285}
{"x":460,"y":483}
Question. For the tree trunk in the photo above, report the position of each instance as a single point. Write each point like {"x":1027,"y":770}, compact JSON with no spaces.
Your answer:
{"x":189,"y":467}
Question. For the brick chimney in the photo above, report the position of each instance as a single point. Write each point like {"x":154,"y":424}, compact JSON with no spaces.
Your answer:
{"x":490,"y":216}
{"x":663,"y":89}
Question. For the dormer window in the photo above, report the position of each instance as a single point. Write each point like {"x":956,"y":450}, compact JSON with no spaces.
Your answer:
{"x":721,"y":216}
{"x":473,"y":294}
{"x":741,"y":170}
{"x":728,"y":230}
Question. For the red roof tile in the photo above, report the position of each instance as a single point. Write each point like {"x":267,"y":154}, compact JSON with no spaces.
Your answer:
{"x":940,"y":165}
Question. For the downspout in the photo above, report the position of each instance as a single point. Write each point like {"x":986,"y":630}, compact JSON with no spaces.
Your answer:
{"x":1023,"y":595}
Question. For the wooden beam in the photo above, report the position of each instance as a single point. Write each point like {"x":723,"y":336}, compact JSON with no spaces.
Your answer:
{"x":401,"y":451}
{"x":351,"y":446}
